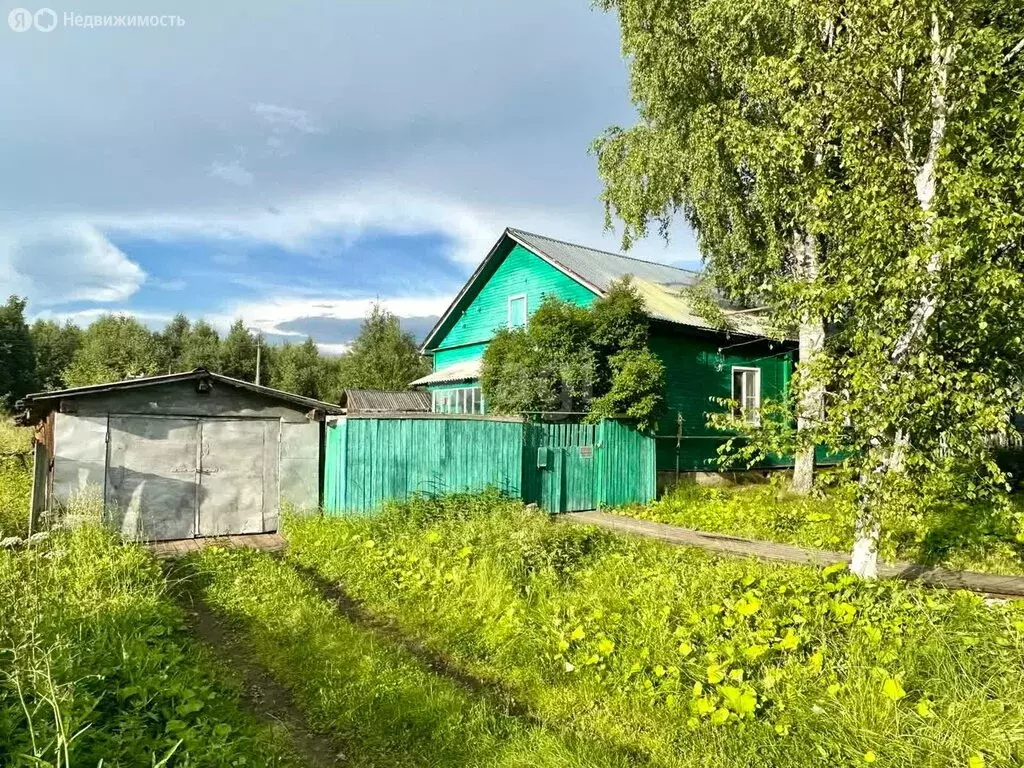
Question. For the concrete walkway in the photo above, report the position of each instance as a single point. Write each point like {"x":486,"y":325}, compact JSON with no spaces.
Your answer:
{"x":1011,"y":587}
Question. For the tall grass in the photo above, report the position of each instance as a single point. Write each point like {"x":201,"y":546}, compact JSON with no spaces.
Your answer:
{"x":384,"y":704}
{"x":685,"y":658}
{"x":96,"y":665}
{"x":15,"y":478}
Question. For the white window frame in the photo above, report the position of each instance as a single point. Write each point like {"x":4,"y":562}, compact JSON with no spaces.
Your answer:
{"x":458,"y":400}
{"x":526,"y":310}
{"x":750,"y":417}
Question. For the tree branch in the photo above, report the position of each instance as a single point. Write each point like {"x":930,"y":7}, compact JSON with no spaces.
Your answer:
{"x":1013,"y":52}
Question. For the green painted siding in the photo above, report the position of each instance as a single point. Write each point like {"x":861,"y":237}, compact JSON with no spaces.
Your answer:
{"x":693,"y":378}
{"x":519,"y":272}
{"x":445,"y":357}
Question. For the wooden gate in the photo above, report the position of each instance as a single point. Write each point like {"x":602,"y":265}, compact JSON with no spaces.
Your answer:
{"x":567,"y":466}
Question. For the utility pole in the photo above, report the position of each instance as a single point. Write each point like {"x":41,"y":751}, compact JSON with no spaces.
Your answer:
{"x":259,"y":352}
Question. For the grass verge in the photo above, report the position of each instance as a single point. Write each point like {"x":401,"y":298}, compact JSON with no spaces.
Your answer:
{"x":979,"y":537}
{"x":367,"y":690}
{"x":682,"y":657}
{"x":96,"y":666}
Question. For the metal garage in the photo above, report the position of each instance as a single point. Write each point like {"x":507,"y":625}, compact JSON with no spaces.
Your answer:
{"x":179,"y":456}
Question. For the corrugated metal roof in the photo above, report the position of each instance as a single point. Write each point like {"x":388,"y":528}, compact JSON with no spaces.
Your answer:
{"x":669,"y":305}
{"x":601,"y":268}
{"x":465,"y":371}
{"x":40,"y":402}
{"x":385,"y":401}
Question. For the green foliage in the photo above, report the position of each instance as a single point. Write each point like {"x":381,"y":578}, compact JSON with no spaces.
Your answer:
{"x":367,"y":688}
{"x":571,"y":358}
{"x":17,"y":354}
{"x":750,"y":444}
{"x":238,"y":353}
{"x":924,"y":525}
{"x":684,"y":659}
{"x":297,"y":368}
{"x":514,"y":376}
{"x":96,"y":666}
{"x":382,"y":356}
{"x":15,"y":478}
{"x":172,"y":343}
{"x":200,"y":347}
{"x":113,"y":348}
{"x":55,"y":347}
{"x":889,"y":136}
{"x":637,"y":389}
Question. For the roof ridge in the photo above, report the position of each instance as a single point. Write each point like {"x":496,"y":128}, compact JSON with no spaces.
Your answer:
{"x":601,"y":250}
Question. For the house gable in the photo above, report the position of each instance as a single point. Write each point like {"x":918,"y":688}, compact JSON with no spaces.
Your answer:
{"x":511,"y":271}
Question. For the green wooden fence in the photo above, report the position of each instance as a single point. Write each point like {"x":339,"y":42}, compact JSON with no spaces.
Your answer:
{"x":561,"y":467}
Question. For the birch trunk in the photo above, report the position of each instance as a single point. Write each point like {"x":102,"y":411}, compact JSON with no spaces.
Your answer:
{"x":868,"y":527}
{"x":810,"y":405}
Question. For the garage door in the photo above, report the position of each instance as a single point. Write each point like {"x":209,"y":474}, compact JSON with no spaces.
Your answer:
{"x":238,"y":476}
{"x":176,"y":478}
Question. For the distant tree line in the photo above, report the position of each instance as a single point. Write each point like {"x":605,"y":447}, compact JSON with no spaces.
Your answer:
{"x":47,"y":355}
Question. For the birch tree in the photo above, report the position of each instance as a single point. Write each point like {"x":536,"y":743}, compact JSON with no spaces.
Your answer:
{"x":925,"y":244}
{"x":732,"y":138}
{"x":890,"y":133}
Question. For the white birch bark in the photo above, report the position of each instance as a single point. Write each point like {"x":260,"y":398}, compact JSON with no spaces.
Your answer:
{"x":865,"y":547}
{"x":810,"y":405}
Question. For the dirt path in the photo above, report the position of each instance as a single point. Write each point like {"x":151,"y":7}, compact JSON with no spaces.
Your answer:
{"x":261,"y":692}
{"x":437,"y":663}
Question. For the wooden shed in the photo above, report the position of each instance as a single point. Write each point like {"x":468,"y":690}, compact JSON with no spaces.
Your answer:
{"x":179,"y":456}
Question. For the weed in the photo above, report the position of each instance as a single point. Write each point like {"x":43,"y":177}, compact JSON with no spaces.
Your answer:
{"x":689,"y":659}
{"x":96,"y":666}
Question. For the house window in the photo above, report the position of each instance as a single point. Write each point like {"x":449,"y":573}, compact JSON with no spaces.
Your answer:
{"x":517,"y":311}
{"x":746,"y":392}
{"x":461,"y":400}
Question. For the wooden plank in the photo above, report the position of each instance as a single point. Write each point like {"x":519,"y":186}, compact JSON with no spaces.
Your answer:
{"x":986,"y":583}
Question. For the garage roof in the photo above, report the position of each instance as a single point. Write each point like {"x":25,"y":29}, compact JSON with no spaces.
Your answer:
{"x":33,"y":407}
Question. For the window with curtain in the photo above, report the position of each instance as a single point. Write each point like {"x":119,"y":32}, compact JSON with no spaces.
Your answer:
{"x":746,"y":392}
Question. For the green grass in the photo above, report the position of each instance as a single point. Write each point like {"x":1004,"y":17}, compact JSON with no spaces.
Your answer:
{"x":373,"y":695}
{"x":96,"y":665}
{"x":15,"y":478}
{"x":670,"y":654}
{"x":957,"y":535}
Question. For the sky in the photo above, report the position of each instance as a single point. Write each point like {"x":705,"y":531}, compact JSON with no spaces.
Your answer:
{"x":291,"y":163}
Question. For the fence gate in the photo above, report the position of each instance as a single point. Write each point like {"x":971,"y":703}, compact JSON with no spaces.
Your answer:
{"x":567,"y":474}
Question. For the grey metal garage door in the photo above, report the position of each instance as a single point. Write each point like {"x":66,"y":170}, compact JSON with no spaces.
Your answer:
{"x":238,"y":487}
{"x":176,"y":478}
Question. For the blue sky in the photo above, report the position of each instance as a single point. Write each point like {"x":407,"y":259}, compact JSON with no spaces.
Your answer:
{"x":291,"y":163}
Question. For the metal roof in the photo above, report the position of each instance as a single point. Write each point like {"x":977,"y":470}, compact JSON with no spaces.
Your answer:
{"x":39,"y":401}
{"x":383,"y":401}
{"x":599,"y":269}
{"x":465,"y":371}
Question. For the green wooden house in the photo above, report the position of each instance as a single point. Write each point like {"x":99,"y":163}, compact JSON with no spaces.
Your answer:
{"x":702,"y":363}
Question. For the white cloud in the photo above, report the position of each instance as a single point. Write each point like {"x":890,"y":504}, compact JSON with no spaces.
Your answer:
{"x":62,"y":262}
{"x":333,"y":349}
{"x":232,"y":172}
{"x":286,"y":118}
{"x":82,"y":318}
{"x":269,"y":315}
